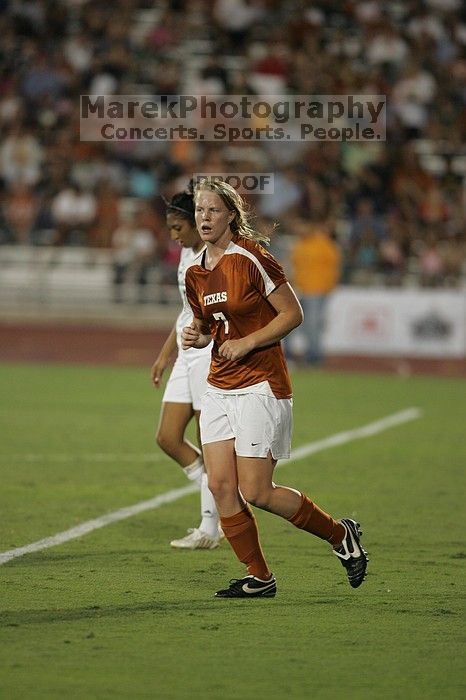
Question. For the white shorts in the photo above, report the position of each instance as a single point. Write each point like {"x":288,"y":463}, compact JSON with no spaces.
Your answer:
{"x":259,"y":424}
{"x":188,"y":380}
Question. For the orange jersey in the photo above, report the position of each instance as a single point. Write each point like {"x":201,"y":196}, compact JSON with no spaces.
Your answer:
{"x":232,"y":298}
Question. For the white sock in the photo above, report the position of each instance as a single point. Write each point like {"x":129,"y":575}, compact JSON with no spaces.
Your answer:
{"x":210,"y":519}
{"x":195,"y":471}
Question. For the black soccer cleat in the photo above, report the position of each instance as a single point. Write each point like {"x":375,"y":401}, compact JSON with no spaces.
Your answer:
{"x":249,"y":587}
{"x":351,"y":554}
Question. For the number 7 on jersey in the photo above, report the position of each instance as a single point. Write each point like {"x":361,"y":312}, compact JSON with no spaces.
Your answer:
{"x":220,"y":316}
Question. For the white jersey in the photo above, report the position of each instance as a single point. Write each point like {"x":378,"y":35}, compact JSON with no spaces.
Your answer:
{"x":188,"y":257}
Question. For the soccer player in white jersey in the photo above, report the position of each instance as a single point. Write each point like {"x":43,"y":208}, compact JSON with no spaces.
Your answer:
{"x":241,"y":298}
{"x":182,"y":398}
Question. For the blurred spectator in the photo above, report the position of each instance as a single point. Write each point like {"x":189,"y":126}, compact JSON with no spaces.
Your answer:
{"x":164,"y":34}
{"x":392,"y":262}
{"x":431,"y":263}
{"x":315,"y":263}
{"x":168,"y":273}
{"x":433,"y":207}
{"x":235,"y":19}
{"x":73,"y":212}
{"x":365,"y":220}
{"x":386,"y":47}
{"x":240,"y":84}
{"x":20,"y":211}
{"x":44,"y":77}
{"x":167,"y":76}
{"x":270,"y":68}
{"x":424,"y":23}
{"x":316,"y":199}
{"x":106,"y":218}
{"x":134,"y":253}
{"x":142,"y":182}
{"x":20,"y":157}
{"x":412,"y":95}
{"x":44,"y":229}
{"x":454,"y":259}
{"x":79,"y":52}
{"x":364,"y":257}
{"x":214,"y":77}
{"x":287,"y":193}
{"x":10,"y":103}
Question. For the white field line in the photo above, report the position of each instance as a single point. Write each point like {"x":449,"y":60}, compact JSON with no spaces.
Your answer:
{"x":171,"y":496}
{"x":368,"y":430}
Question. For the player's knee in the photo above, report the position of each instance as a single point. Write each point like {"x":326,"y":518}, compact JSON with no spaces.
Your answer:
{"x":165,"y":442}
{"x":216,"y":486}
{"x":256,"y":495}
{"x":220,"y":487}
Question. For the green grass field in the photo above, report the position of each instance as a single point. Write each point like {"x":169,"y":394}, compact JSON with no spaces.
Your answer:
{"x":118,"y":614}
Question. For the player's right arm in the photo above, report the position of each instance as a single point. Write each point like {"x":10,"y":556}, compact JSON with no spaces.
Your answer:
{"x":197,"y":335}
{"x":163,"y":359}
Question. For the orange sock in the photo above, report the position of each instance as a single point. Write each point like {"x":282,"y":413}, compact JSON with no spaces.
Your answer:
{"x":242,"y":534}
{"x":311,"y":518}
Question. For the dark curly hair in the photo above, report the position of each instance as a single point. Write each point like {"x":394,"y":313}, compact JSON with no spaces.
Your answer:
{"x":182,"y":204}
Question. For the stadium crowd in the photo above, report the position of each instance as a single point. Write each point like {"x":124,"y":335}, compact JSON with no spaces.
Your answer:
{"x":397,"y":209}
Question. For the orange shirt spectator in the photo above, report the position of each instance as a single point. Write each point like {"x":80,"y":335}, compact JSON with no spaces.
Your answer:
{"x":316,"y":260}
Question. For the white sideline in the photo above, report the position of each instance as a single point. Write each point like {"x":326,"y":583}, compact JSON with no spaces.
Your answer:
{"x":170,"y":496}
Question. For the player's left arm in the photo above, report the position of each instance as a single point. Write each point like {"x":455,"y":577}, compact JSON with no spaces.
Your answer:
{"x":289,"y":316}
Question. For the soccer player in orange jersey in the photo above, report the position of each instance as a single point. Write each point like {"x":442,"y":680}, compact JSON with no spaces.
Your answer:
{"x":240,"y":297}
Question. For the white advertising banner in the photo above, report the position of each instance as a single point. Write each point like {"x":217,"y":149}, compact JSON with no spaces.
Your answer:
{"x":410,"y":322}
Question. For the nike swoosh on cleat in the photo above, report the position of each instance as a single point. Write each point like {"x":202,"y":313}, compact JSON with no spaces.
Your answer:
{"x":246,"y":588}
